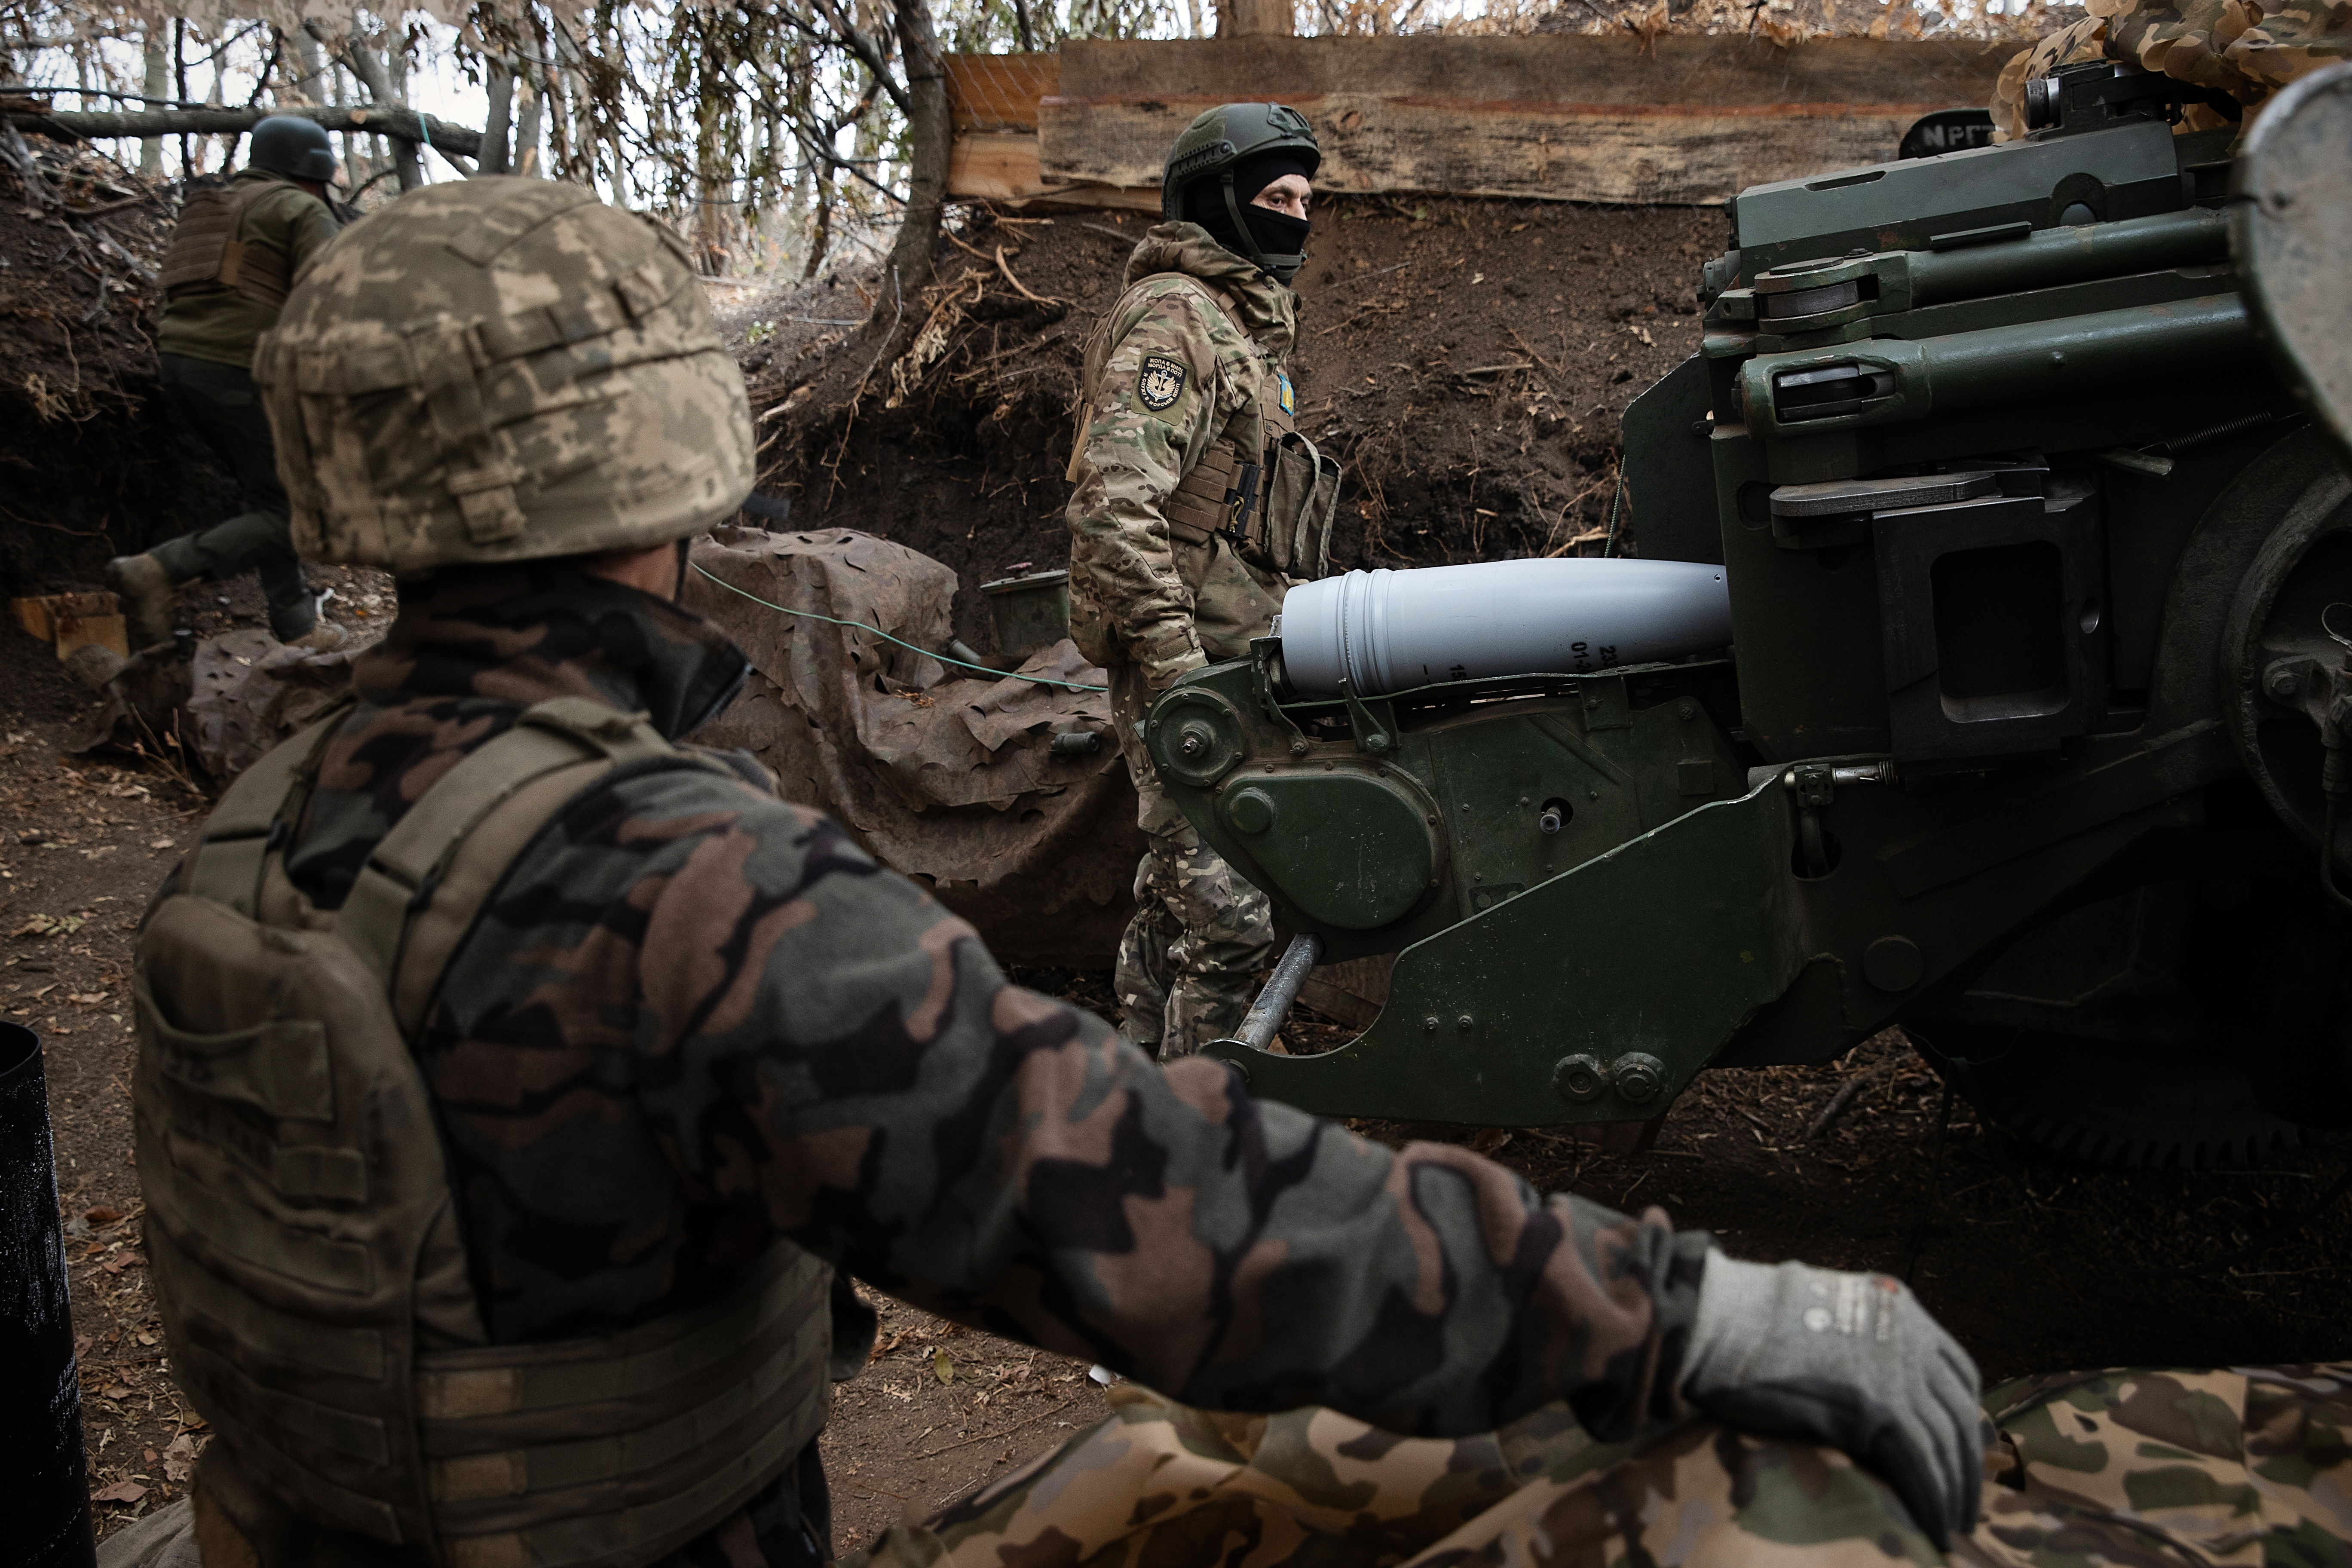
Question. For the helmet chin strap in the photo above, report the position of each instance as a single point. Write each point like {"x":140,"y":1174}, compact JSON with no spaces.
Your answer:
{"x":1273,"y":264}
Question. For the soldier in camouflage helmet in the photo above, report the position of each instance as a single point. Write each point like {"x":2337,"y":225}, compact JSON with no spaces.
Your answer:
{"x":506,"y":1069}
{"x":1198,"y":503}
{"x":233,"y":254}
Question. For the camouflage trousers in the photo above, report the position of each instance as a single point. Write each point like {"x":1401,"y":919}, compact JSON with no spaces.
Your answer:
{"x":1189,"y":962}
{"x":2130,"y":1468}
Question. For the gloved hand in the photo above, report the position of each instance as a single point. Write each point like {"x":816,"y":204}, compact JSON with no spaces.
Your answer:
{"x":1849,"y":1359}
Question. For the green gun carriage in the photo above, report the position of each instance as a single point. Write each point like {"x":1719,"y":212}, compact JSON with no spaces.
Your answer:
{"x":2024,"y":467}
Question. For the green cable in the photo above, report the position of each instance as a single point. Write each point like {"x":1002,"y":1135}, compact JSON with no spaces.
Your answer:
{"x":886,"y":637}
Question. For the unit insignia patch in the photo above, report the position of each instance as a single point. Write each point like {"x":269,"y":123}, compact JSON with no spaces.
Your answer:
{"x":1162,"y":382}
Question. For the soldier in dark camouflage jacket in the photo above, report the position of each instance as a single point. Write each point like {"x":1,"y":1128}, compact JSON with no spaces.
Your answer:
{"x":696,"y":1017}
{"x":693,"y":1018}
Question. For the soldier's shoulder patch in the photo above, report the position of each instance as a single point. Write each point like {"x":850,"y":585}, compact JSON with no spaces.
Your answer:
{"x":1161,"y":382}
{"x":1289,"y":397}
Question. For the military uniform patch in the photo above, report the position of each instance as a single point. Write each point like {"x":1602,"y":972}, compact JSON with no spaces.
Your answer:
{"x":1160,"y":384}
{"x":1290,"y":398}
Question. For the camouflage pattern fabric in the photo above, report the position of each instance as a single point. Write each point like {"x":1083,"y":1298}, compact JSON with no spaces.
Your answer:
{"x":1188,"y":961}
{"x":220,"y":324}
{"x":2133,"y":1469}
{"x":502,"y":369}
{"x":2244,"y":48}
{"x":694,"y":1016}
{"x":1180,"y":371}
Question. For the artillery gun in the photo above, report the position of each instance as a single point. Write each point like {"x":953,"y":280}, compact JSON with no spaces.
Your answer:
{"x":2033,"y":520}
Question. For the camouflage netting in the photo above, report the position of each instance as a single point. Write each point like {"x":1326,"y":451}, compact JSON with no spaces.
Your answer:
{"x":950,"y":778}
{"x":946,"y":776}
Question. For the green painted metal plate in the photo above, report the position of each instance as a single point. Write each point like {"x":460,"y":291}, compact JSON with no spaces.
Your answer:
{"x":1348,"y":850}
{"x":1481,"y":1017}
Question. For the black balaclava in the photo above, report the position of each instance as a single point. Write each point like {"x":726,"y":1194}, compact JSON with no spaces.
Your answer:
{"x":1270,"y":233}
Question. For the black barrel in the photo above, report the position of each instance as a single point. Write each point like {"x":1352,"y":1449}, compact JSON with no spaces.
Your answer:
{"x":40,"y":1390}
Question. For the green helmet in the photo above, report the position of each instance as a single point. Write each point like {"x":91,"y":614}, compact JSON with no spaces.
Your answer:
{"x":1216,"y":142}
{"x":500,"y":369}
{"x":290,"y":146}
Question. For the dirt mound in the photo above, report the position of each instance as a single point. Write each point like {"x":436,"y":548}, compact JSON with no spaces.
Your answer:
{"x":1467,"y":360}
{"x":93,"y":465}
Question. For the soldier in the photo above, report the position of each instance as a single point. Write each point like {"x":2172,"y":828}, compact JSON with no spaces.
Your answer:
{"x":506,"y":1069}
{"x":2117,"y":1469}
{"x":2248,"y":52}
{"x":234,"y":256}
{"x":1198,"y":503}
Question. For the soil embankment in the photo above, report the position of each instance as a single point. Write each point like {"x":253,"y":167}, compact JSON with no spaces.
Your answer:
{"x":1468,"y":362}
{"x":91,"y":462}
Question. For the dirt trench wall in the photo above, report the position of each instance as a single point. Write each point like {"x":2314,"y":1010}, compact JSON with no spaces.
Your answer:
{"x":93,"y":462}
{"x":1469,"y":362}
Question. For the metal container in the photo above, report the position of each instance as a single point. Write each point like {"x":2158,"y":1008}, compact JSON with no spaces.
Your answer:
{"x":1030,"y":612}
{"x":40,"y":1392}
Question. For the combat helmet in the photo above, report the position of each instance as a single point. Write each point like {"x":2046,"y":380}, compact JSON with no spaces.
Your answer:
{"x":290,"y":146}
{"x":500,"y":369}
{"x":1216,"y":142}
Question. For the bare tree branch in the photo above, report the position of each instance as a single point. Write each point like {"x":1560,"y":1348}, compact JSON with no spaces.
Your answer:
{"x":368,"y":67}
{"x":871,"y":53}
{"x":403,"y":124}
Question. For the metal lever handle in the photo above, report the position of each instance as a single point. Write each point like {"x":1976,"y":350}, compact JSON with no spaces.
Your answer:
{"x":1272,"y":1005}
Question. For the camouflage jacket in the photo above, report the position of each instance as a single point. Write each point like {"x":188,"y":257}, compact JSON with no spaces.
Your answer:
{"x":221,"y":324}
{"x":694,"y":1016}
{"x":1165,"y":606}
{"x":2247,"y":51}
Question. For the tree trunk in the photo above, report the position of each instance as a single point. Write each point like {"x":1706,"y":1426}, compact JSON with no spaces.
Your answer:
{"x":157,"y":85}
{"x":500,"y":88}
{"x":310,"y":82}
{"x":373,"y":74}
{"x":396,"y":81}
{"x":527,"y":159}
{"x":406,"y":126}
{"x":1246,"y":18}
{"x":929,"y":135}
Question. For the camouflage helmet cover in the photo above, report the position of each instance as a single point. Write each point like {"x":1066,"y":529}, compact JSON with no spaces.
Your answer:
{"x":1222,"y":137}
{"x":290,"y":146}
{"x":497,"y":369}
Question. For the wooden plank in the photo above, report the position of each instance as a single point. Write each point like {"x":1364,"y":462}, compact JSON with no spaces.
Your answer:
{"x":1668,"y":154}
{"x":995,"y":166}
{"x":1000,"y":93}
{"x":1694,"y":71}
{"x":71,"y":620}
{"x":1001,"y":166}
{"x":110,"y":632}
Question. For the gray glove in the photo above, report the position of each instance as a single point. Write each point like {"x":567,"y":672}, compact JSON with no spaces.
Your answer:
{"x":1849,"y":1359}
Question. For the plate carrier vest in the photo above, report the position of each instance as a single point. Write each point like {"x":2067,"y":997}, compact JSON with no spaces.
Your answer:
{"x":300,"y":1225}
{"x":205,"y":250}
{"x":1265,"y":490}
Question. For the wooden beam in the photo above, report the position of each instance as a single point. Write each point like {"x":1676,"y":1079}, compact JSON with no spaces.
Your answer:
{"x":1674,"y":155}
{"x":994,"y":165}
{"x":1691,"y":71}
{"x":1001,"y":166}
{"x":1560,"y":117}
{"x":1000,"y":93}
